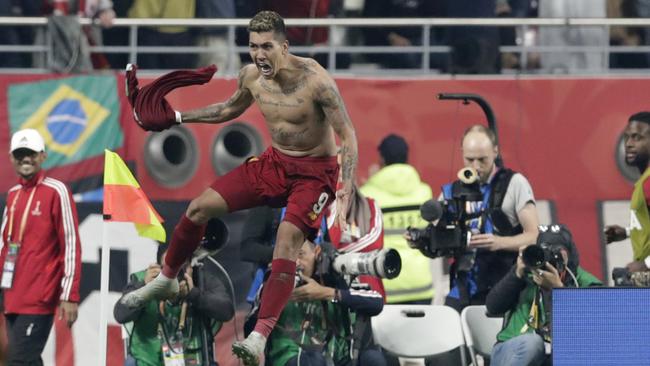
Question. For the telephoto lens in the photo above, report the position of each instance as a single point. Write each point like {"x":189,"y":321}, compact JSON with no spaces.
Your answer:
{"x":385,"y":263}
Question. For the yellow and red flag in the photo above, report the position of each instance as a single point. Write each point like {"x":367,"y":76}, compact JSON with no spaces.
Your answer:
{"x":125,"y":201}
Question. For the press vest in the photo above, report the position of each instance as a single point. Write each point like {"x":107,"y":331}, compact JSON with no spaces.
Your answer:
{"x":489,"y":267}
{"x":145,"y":344}
{"x":640,"y":220}
{"x":399,"y":192}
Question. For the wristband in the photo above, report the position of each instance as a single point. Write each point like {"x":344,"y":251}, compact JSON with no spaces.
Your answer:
{"x":179,"y":119}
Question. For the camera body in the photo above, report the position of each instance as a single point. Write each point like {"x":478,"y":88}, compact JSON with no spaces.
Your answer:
{"x":448,"y":237}
{"x":535,"y":256}
{"x":622,"y":277}
{"x":444,"y":239}
{"x":551,"y":242}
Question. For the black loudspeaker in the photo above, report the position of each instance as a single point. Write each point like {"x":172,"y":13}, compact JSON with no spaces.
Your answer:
{"x":171,"y":157}
{"x":181,"y":162}
{"x":233,"y":145}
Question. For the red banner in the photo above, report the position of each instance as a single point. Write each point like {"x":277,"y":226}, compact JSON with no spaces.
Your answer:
{"x":561,"y":133}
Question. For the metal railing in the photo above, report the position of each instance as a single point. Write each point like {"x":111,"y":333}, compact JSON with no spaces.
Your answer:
{"x":333,"y":48}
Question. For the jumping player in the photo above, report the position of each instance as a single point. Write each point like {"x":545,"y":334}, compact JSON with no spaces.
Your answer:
{"x":303,"y":110}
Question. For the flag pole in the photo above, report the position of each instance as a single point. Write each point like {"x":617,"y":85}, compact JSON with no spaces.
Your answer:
{"x":103,"y":297}
{"x":124,"y":201}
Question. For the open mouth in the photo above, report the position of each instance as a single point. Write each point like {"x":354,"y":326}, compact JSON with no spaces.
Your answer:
{"x":265,"y":68}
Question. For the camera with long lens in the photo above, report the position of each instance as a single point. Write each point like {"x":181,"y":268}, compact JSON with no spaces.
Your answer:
{"x":536,"y":256}
{"x":334,"y":265}
{"x":448,"y":237}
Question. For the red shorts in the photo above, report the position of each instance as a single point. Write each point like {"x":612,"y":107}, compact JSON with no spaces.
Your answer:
{"x":306,"y":186}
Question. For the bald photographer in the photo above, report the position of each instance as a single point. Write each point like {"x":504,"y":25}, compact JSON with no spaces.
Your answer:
{"x":482,"y":219}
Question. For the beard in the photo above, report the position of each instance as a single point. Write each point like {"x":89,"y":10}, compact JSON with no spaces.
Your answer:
{"x":640,"y":161}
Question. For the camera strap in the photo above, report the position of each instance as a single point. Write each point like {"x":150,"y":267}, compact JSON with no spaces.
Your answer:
{"x":539,"y":315}
{"x":357,"y":338}
{"x":332,"y":326}
{"x":499,"y":184}
{"x":171,"y":342}
{"x":500,"y":222}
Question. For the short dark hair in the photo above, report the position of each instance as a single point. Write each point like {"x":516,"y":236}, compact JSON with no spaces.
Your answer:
{"x":481,"y":128}
{"x":640,"y":117}
{"x":267,"y":21}
{"x":394,"y":149}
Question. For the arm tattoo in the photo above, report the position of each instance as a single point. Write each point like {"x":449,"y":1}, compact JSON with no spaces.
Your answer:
{"x":329,"y":97}
{"x":221,"y":112}
{"x":219,"y":108}
{"x":348,"y":164}
{"x":332,"y":104}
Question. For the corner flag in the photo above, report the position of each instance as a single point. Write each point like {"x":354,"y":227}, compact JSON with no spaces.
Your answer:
{"x":125,"y":201}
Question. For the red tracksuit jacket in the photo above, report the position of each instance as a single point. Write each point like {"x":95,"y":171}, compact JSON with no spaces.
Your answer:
{"x":372,"y":240}
{"x":48,"y":268}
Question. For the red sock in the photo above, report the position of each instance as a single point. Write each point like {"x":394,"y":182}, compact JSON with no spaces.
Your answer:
{"x":185,"y":239}
{"x":275,"y":294}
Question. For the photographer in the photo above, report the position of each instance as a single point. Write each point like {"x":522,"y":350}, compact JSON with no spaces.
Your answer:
{"x":182,"y":328}
{"x":316,"y":326}
{"x":363,"y":233}
{"x":637,"y":154}
{"x":524,"y":296}
{"x":504,"y":220}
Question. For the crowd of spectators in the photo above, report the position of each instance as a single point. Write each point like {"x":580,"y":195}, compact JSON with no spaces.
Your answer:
{"x":470,"y":50}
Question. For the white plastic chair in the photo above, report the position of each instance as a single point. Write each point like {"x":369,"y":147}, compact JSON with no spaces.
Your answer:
{"x":416,"y":331}
{"x":480,"y":331}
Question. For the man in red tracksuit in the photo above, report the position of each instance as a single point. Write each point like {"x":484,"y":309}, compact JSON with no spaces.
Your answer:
{"x":364,"y":232}
{"x":40,"y":255}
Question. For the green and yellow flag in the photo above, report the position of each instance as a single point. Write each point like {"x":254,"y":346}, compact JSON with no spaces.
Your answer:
{"x":125,"y":201}
{"x":77,"y":116}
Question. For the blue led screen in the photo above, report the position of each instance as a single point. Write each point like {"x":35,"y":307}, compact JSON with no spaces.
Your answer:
{"x":601,"y":326}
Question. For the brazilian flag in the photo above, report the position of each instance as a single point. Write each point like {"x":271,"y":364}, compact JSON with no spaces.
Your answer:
{"x":78,"y":116}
